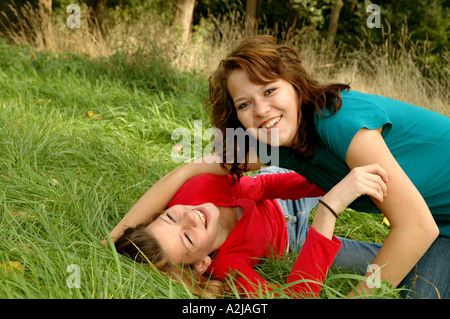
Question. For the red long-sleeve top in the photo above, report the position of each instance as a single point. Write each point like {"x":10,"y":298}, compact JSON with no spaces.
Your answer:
{"x":261,"y":231}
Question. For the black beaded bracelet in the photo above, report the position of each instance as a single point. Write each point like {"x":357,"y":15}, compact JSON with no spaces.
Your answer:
{"x":327,"y":206}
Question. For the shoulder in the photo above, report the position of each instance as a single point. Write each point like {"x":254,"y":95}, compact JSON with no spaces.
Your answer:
{"x":353,"y":104}
{"x":359,"y":110}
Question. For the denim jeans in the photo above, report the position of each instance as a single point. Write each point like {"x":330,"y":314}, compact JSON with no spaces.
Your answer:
{"x":430,"y":278}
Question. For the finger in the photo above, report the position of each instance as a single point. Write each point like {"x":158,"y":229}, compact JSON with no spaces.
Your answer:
{"x":381,"y":183}
{"x":374,"y":190}
{"x":376,"y":169}
{"x":376,"y":182}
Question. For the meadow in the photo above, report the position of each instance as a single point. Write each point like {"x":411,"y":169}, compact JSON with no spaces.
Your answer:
{"x":84,"y":134}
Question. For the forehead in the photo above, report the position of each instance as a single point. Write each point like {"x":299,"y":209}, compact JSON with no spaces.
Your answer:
{"x":239,"y":83}
{"x":253,"y":77}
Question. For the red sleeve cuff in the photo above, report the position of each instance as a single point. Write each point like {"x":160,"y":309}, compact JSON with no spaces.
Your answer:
{"x":313,"y":263}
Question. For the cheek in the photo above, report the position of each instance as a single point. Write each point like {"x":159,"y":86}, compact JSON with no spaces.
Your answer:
{"x":296,"y":105}
{"x":241,"y":117}
{"x":204,"y":244}
{"x":291,"y":110}
{"x":246,"y":119}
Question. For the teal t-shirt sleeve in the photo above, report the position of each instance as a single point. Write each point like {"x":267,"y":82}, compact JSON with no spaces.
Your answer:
{"x":337,"y":131}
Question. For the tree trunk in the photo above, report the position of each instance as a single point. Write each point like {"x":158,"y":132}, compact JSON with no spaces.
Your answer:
{"x":250,"y":9}
{"x":334,"y":20}
{"x":183,"y":17}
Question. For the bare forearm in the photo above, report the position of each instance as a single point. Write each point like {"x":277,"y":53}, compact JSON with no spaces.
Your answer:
{"x":324,"y":221}
{"x":401,"y":250}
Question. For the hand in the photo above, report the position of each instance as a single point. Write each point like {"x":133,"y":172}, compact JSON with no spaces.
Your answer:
{"x":365,"y":180}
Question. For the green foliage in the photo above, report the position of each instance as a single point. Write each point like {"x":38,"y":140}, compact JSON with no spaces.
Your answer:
{"x":127,"y":10}
{"x":428,"y":22}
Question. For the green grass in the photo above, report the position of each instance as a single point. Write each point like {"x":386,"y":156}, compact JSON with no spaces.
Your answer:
{"x":81,"y":139}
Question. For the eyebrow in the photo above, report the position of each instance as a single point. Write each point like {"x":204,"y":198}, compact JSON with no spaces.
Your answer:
{"x":238,"y":100}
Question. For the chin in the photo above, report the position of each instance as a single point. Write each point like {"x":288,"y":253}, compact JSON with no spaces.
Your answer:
{"x":277,"y":143}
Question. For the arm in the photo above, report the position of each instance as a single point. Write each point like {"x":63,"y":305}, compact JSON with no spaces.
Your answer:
{"x":313,"y":263}
{"x":412,"y":226}
{"x":289,"y":185}
{"x":159,"y":195}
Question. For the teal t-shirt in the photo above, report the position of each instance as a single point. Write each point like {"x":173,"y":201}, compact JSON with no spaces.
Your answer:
{"x":418,"y":138}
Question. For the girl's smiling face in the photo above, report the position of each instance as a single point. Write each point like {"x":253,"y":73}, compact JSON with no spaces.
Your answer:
{"x":187,"y":234}
{"x":265,"y":109}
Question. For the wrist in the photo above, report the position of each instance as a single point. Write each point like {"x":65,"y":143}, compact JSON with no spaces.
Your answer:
{"x":324,"y":221}
{"x":328,"y":207}
{"x":334,"y":203}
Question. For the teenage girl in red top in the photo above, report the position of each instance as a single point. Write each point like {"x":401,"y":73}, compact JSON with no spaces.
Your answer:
{"x":216,"y":228}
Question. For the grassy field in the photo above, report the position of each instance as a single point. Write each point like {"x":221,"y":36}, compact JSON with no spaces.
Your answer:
{"x":81,"y":140}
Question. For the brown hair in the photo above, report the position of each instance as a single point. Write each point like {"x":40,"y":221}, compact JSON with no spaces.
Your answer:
{"x":141,"y":246}
{"x":264,"y":61}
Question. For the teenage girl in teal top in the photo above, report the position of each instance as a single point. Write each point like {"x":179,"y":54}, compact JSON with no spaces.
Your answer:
{"x":324,"y":131}
{"x":418,"y":139}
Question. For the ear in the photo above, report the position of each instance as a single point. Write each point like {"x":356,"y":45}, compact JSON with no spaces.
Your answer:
{"x":203,"y":265}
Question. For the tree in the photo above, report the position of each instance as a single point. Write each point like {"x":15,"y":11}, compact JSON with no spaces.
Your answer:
{"x":183,"y":17}
{"x":334,"y":20}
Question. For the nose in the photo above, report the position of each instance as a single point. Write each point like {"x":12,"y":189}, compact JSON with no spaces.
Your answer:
{"x":261,"y":107}
{"x":188,"y":219}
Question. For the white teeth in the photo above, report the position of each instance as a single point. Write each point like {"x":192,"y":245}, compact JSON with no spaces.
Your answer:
{"x":271,"y":123}
{"x":202,"y":216}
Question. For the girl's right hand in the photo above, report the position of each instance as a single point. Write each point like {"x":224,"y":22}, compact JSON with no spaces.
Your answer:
{"x":365,"y":180}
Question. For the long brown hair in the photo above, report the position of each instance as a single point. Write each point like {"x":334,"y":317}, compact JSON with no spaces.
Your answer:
{"x":141,"y":246}
{"x":265,"y":61}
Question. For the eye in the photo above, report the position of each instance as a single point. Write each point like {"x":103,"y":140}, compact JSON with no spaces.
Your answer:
{"x":243,"y":105}
{"x":170,"y":217}
{"x":269,"y":91}
{"x":188,"y":238}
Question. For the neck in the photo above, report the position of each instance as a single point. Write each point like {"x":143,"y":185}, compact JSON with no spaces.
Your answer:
{"x":228,"y":218}
{"x":227,"y":221}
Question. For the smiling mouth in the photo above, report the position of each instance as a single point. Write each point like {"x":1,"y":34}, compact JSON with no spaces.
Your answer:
{"x":270,"y":123}
{"x":202,"y":216}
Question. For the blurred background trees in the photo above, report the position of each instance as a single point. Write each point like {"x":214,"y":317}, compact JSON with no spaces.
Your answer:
{"x":343,"y":20}
{"x":410,"y":49}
